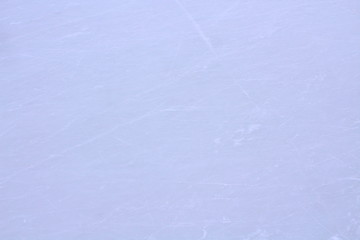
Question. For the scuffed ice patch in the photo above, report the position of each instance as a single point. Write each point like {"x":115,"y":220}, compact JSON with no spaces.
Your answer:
{"x":180,"y":120}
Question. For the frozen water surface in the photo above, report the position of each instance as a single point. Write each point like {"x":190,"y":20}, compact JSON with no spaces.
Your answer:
{"x":180,"y":119}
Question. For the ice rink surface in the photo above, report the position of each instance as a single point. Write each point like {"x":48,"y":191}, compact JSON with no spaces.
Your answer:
{"x":180,"y":120}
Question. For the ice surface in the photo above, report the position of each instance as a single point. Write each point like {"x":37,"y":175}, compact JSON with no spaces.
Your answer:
{"x":180,"y":120}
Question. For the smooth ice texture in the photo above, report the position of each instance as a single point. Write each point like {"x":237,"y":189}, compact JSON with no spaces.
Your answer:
{"x":180,"y":120}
